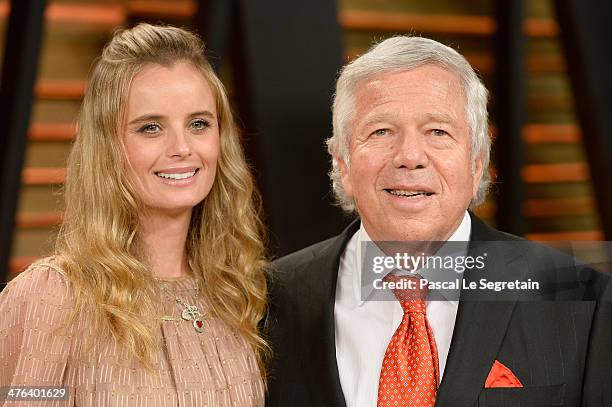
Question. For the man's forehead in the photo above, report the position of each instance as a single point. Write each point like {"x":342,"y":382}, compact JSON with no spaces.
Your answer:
{"x":422,"y":74}
{"x":387,"y":96}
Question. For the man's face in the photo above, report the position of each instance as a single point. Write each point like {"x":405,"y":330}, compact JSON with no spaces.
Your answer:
{"x":411,"y":173}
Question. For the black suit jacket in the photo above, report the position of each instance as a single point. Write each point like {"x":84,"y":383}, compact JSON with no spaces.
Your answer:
{"x":560,"y":350}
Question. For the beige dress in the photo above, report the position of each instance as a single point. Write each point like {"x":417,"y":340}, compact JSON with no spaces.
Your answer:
{"x":213,"y":368}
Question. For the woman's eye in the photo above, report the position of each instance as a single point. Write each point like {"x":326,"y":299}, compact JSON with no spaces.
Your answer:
{"x":150,"y":128}
{"x":199,"y":124}
{"x":380,"y":132}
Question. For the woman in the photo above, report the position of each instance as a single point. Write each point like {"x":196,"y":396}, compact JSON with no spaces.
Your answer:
{"x":156,"y":288}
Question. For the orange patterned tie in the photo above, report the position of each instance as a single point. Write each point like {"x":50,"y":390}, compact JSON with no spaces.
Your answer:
{"x":409,"y":374}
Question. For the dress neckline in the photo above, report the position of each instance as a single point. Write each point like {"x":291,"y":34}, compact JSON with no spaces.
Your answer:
{"x":174,"y":279}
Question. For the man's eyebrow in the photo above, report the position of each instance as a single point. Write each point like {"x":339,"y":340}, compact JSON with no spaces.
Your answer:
{"x":378,"y":117}
{"x":159,"y":117}
{"x":425,"y":118}
{"x":440,"y":118}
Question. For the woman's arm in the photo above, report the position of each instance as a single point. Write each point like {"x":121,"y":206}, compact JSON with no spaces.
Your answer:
{"x":34,"y":339}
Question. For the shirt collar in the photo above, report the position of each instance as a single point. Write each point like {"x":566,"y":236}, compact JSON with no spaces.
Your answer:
{"x":461,"y":234}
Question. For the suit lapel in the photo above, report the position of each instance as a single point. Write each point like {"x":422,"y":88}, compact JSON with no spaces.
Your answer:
{"x":479,"y":328}
{"x":323,"y":274}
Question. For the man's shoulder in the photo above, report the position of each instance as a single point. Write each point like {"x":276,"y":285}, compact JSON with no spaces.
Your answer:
{"x":324,"y":250}
{"x":547,"y":260}
{"x":481,"y":231}
{"x":302,"y":257}
{"x":507,"y":242}
{"x":533,"y":250}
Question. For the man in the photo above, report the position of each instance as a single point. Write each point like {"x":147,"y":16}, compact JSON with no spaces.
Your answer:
{"x":410,"y":154}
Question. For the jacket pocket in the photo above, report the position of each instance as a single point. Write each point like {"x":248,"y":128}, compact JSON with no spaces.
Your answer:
{"x":537,"y":396}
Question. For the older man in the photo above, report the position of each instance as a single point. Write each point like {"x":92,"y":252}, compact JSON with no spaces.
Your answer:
{"x":410,"y":154}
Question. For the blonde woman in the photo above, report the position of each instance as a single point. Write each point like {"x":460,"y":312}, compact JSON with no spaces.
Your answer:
{"x":156,"y":289}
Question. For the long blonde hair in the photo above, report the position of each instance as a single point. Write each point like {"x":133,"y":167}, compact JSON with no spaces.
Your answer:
{"x":98,"y":243}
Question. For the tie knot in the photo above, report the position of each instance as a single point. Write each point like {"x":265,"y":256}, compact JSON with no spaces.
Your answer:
{"x":408,"y":291}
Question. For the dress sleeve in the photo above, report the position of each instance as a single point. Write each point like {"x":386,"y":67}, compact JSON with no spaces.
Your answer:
{"x":35,"y":308}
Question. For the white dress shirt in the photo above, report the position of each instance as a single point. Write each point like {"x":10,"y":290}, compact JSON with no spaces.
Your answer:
{"x":364,"y":328}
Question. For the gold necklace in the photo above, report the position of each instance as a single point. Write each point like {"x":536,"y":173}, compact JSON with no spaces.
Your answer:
{"x":190,"y":312}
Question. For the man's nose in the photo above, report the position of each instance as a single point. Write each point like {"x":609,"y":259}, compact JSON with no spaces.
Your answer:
{"x":410,"y":151}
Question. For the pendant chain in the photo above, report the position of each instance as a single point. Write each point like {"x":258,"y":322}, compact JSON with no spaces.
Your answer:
{"x":190,"y":312}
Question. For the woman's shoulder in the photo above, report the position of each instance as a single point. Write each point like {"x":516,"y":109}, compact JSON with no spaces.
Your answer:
{"x":44,"y":281}
{"x":35,"y":334}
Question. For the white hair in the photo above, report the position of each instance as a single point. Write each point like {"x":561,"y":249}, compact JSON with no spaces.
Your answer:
{"x":403,"y":53}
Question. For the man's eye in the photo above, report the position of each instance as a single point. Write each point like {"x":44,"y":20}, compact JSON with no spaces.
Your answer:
{"x":150,"y":128}
{"x":380,"y":132}
{"x":439,"y":132}
{"x":200,"y":124}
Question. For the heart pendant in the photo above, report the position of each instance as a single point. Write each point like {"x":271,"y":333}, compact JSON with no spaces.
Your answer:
{"x":198,"y":325}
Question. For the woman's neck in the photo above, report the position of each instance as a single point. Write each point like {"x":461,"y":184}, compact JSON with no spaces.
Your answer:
{"x":164,"y":238}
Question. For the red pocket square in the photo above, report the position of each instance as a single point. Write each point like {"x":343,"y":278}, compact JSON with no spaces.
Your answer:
{"x":501,"y":376}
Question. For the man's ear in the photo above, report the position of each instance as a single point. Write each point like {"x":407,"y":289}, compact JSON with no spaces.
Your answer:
{"x":345,"y":177}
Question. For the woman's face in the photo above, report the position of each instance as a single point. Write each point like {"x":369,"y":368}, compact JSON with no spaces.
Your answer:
{"x":171,"y":137}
